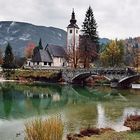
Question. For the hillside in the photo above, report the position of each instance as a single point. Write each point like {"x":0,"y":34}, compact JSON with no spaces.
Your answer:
{"x":132,"y":45}
{"x":19,"y":34}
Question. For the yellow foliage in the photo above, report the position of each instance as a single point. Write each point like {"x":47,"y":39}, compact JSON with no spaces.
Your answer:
{"x":49,"y":129}
{"x":113,"y":54}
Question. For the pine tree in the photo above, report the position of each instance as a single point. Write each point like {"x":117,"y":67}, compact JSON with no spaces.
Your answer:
{"x":37,"y":48}
{"x":8,"y":60}
{"x":1,"y":59}
{"x":89,"y":27}
{"x":89,"y":45}
{"x":40,"y":44}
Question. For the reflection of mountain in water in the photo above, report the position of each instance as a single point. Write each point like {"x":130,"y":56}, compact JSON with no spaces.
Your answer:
{"x":21,"y":101}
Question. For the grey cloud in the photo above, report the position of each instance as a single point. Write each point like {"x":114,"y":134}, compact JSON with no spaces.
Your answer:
{"x":115,"y":18}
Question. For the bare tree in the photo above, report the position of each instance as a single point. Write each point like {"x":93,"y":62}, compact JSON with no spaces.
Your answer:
{"x":87,"y":51}
{"x":73,"y":56}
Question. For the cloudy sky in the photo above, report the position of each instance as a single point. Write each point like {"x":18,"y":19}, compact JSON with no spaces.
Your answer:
{"x":115,"y":18}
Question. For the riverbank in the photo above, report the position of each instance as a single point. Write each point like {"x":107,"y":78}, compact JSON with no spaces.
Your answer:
{"x":48,"y":76}
{"x":115,"y":136}
{"x":28,"y":76}
{"x":104,"y":134}
{"x":131,"y":121}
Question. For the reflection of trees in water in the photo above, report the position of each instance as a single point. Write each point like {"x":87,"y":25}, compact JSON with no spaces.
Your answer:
{"x":80,"y":115}
{"x":11,"y":101}
{"x":7,"y":95}
{"x":81,"y":100}
{"x":89,"y":93}
{"x":12,"y":93}
{"x":36,"y":104}
{"x":78,"y":112}
{"x":7,"y":105}
{"x":114,"y":111}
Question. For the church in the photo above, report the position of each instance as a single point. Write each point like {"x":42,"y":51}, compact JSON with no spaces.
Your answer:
{"x":54,"y":55}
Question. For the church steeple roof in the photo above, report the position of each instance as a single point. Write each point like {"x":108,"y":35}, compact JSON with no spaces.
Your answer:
{"x":73,"y":21}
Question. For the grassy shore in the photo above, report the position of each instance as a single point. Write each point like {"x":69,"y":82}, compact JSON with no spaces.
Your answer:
{"x":111,"y":135}
{"x":32,"y":75}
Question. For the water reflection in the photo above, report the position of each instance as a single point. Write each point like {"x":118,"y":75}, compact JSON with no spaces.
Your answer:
{"x":101,"y":116}
{"x":78,"y":106}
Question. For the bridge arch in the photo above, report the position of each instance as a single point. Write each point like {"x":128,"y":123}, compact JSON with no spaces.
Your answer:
{"x":82,"y":76}
{"x":127,"y":81}
{"x":85,"y":75}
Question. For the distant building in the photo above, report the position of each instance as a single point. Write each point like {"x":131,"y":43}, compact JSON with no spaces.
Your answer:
{"x":50,"y":56}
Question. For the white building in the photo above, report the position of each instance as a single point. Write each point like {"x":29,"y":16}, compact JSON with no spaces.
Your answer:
{"x":50,"y":56}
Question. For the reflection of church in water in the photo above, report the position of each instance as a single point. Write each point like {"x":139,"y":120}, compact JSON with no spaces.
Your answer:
{"x":25,"y":103}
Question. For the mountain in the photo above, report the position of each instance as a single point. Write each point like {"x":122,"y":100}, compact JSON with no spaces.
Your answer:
{"x":19,"y":34}
{"x":104,"y":41}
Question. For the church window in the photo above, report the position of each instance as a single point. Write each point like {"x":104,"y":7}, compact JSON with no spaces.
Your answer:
{"x":70,"y":31}
{"x":45,"y":63}
{"x":77,"y":31}
{"x":49,"y":63}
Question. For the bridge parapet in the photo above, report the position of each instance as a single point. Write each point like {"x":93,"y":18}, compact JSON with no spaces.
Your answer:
{"x":110,"y":73}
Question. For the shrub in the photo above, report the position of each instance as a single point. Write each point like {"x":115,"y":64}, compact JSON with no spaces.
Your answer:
{"x":133,"y":121}
{"x":49,"y":129}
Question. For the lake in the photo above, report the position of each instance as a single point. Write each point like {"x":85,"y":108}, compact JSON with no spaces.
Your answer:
{"x":79,"y":107}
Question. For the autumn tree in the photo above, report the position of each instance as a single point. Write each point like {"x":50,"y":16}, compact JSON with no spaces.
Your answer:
{"x":87,"y":51}
{"x":73,"y":57}
{"x":89,"y":28}
{"x":8,"y":60}
{"x":136,"y":59}
{"x":29,"y":50}
{"x":121,"y":45}
{"x":113,"y":54}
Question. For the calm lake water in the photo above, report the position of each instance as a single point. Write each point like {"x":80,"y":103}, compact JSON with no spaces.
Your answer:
{"x":78,"y":106}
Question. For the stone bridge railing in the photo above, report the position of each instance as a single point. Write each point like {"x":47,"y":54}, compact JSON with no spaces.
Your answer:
{"x":110,"y":73}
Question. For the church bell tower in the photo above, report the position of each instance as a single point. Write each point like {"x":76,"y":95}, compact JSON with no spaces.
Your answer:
{"x":72,"y":34}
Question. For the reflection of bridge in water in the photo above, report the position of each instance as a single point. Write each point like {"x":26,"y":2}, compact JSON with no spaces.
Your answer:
{"x":38,"y":95}
{"x":79,"y":106}
{"x":123,"y":76}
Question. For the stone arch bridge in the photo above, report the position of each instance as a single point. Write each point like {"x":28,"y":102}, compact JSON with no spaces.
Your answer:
{"x":124,"y":76}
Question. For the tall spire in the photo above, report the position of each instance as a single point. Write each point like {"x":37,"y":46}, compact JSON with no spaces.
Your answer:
{"x":73,"y":20}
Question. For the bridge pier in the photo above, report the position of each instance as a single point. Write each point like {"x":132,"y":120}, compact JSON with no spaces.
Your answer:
{"x":114,"y":83}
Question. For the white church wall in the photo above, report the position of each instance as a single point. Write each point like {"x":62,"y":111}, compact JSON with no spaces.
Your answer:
{"x":58,"y":62}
